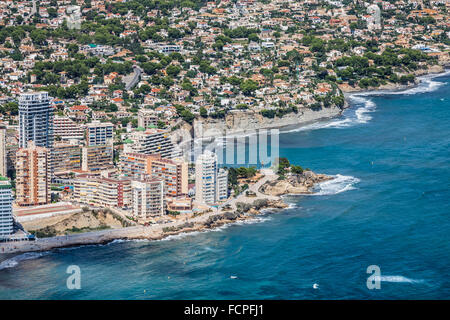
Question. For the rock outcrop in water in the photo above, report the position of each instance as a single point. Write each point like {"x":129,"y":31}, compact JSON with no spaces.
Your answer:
{"x":294,"y":184}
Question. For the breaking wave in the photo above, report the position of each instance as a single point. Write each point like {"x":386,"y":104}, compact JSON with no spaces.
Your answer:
{"x":13,"y":262}
{"x":126,"y":240}
{"x":350,"y":117}
{"x":217,"y":229}
{"x":339,"y":184}
{"x":427,"y":84}
{"x":361,"y":114}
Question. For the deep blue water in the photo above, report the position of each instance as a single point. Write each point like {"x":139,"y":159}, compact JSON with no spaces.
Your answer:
{"x":389,"y":207}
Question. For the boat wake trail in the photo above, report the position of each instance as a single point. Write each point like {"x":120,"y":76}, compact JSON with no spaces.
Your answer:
{"x":339,"y":184}
{"x":398,"y":279}
{"x":11,"y":263}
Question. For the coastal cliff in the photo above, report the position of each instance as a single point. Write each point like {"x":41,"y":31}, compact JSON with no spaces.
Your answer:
{"x":247,"y":121}
{"x":294,"y":184}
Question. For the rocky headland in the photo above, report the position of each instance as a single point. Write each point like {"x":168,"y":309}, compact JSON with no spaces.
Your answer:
{"x":390,"y":86}
{"x":294,"y":184}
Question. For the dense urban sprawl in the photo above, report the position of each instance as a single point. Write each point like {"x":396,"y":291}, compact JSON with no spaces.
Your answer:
{"x":93,"y":93}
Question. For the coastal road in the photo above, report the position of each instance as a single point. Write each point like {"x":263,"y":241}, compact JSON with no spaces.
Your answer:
{"x":152,"y":232}
{"x":33,"y":9}
{"x":132,"y":79}
{"x":269,"y":175}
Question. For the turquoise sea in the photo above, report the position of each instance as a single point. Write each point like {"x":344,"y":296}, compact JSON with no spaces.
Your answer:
{"x":388,"y":206}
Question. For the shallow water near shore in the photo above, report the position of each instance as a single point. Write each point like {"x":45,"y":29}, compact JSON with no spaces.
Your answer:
{"x":388,"y":206}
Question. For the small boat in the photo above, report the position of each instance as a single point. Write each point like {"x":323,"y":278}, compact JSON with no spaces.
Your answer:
{"x":233,"y":277}
{"x":315,"y":286}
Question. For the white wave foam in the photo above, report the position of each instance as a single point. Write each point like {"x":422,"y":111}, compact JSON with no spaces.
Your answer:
{"x":12,"y":262}
{"x":241,"y":222}
{"x":216,"y":229}
{"x":253,"y":220}
{"x":339,"y":184}
{"x":350,"y":117}
{"x":292,"y":206}
{"x":360,"y":115}
{"x":427,"y":84}
{"x":208,"y":248}
{"x":127,"y":240}
{"x":180,"y":236}
{"x":289,"y":200}
{"x":398,"y":279}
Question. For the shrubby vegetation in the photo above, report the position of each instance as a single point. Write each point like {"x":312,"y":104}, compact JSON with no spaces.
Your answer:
{"x":279,"y":112}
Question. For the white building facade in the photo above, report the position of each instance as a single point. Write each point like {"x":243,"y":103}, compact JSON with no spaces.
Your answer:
{"x":147,"y":199}
{"x":6,"y":216}
{"x":222,"y":185}
{"x":3,"y":163}
{"x":152,"y":141}
{"x":211,"y":184}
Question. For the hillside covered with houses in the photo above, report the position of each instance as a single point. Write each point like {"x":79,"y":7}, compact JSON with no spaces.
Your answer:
{"x":192,"y":59}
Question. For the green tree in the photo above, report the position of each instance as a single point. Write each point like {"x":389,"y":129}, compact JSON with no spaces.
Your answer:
{"x":296,"y":169}
{"x":203,"y":112}
{"x":173,"y":71}
{"x":248,"y":87}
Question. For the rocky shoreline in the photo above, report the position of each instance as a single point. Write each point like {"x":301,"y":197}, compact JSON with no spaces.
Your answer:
{"x":433,"y":70}
{"x":300,"y":184}
{"x":245,"y":210}
{"x":248,"y":122}
{"x":295,"y":184}
{"x":134,"y":233}
{"x":243,"y":123}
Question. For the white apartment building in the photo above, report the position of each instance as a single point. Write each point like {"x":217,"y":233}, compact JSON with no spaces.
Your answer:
{"x":148,"y":199}
{"x":3,"y":163}
{"x":211,"y":184}
{"x":6,"y":216}
{"x":67,"y":129}
{"x":151,"y":141}
{"x":167,"y":49}
{"x":222,"y":185}
{"x":102,"y":191}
